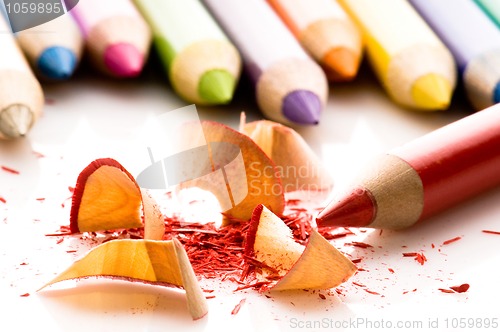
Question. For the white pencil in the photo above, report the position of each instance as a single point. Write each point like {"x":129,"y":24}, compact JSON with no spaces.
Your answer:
{"x":21,"y":96}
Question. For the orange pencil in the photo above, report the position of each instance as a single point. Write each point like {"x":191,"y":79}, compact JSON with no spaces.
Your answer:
{"x":326,"y":31}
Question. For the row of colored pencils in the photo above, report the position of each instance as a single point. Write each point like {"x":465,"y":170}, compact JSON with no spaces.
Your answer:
{"x":290,"y":49}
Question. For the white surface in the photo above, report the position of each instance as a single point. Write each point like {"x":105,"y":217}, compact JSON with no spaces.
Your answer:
{"x":91,"y":117}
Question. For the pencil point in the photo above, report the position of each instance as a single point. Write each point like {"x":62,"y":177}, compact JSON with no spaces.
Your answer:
{"x":432,"y":92}
{"x":496,"y":94}
{"x":15,"y":121}
{"x":357,"y":209}
{"x":302,"y":107}
{"x":57,"y":63}
{"x":341,"y":63}
{"x":123,"y":60}
{"x":216,"y":86}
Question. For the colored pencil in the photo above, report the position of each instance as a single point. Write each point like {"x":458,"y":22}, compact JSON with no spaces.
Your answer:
{"x":21,"y":96}
{"x":290,"y":87}
{"x":475,"y":45}
{"x":203,"y":66}
{"x":326,"y":32}
{"x":491,"y":8}
{"x":54,"y":48}
{"x":414,"y":66}
{"x":116,"y":36}
{"x":424,"y":177}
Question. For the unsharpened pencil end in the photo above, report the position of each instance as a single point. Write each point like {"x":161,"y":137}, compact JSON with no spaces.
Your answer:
{"x":123,"y":60}
{"x":357,"y":209}
{"x":57,"y":63}
{"x":217,"y":87}
{"x":432,"y":92}
{"x":341,"y":64}
{"x":16,"y":121}
{"x":302,"y":107}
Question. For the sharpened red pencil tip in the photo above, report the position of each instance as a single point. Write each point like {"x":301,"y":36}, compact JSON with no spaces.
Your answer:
{"x":357,"y":209}
{"x":123,"y":60}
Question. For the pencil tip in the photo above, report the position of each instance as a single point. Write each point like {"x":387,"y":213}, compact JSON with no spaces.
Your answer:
{"x":217,"y":86}
{"x":432,"y":92}
{"x":356,"y":209}
{"x":496,"y":94}
{"x":16,"y":120}
{"x":341,"y":64}
{"x":123,"y":60}
{"x":302,"y":107}
{"x":57,"y":63}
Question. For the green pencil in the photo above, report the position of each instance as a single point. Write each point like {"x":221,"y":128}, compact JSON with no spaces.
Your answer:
{"x":203,"y":66}
{"x":492,"y":8}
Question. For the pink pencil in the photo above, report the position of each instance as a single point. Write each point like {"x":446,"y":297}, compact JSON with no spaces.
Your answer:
{"x":117,"y":37}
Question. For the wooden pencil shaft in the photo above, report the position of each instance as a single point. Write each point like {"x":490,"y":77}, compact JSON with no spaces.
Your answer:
{"x":274,"y":60}
{"x":90,"y":13}
{"x":432,"y":173}
{"x":115,"y":23}
{"x":191,"y":44}
{"x":465,"y":41}
{"x":261,"y":45}
{"x":323,"y":27}
{"x":299,"y":14}
{"x":18,"y":85}
{"x":60,"y":32}
{"x":457,"y":161}
{"x":181,"y":23}
{"x":402,"y":48}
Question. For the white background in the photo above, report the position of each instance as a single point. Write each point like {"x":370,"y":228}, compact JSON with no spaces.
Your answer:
{"x":92,"y":116}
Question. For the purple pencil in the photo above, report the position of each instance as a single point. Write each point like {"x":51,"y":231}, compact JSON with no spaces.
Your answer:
{"x":474,"y":41}
{"x":290,"y":87}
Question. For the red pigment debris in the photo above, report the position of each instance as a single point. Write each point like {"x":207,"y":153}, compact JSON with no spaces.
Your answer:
{"x":9,"y":170}
{"x":25,"y":295}
{"x":444,"y":290}
{"x":335,"y":233}
{"x":391,"y":270}
{"x":371,"y":292}
{"x":461,"y":289}
{"x":3,"y":200}
{"x":359,"y":244}
{"x":321,"y":296}
{"x":490,"y":232}
{"x":419,"y":257}
{"x":451,"y":240}
{"x":238,"y":307}
{"x":38,"y":154}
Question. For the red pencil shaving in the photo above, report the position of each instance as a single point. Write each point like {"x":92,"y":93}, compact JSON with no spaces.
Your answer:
{"x":9,"y":170}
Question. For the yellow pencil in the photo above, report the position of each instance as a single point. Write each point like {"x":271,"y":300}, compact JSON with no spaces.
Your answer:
{"x":414,"y":66}
{"x":326,"y":32}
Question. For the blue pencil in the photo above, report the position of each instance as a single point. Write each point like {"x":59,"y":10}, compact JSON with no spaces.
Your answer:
{"x":53,"y":48}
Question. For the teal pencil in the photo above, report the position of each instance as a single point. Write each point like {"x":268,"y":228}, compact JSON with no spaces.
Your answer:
{"x":491,"y":8}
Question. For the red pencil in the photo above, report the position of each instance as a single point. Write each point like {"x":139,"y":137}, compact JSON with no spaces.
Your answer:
{"x":423,"y":177}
